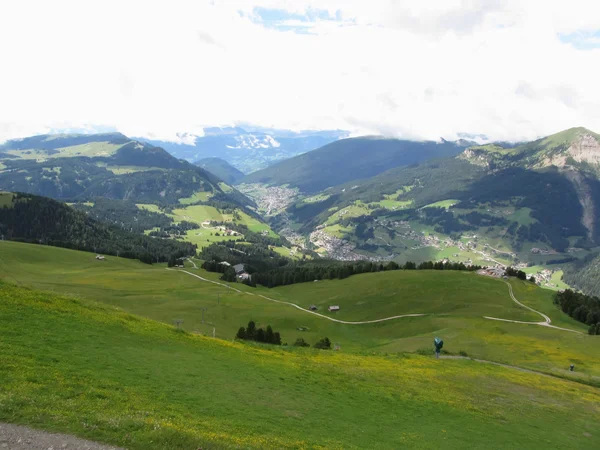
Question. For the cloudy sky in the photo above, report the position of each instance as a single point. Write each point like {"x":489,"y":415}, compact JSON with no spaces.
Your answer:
{"x":419,"y":69}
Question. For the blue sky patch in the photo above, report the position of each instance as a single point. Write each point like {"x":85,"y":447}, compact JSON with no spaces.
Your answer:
{"x":582,"y":40}
{"x":285,"y":21}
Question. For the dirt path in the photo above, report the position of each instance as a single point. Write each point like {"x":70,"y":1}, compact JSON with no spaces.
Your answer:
{"x":485,"y":361}
{"x":16,"y":437}
{"x":547,"y":322}
{"x":300,"y":307}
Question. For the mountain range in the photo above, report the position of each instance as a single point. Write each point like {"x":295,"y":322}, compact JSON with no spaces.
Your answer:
{"x":351,"y":159}
{"x":111,"y":165}
{"x":247,"y":150}
{"x":532,"y":205}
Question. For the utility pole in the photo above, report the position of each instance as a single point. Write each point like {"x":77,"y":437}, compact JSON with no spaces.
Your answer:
{"x":214,"y":331}
{"x":218,"y":299}
{"x":203,"y":309}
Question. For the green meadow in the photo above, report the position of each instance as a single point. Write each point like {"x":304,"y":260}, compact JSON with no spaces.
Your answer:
{"x":76,"y":366}
{"x":89,"y":348}
{"x":454,"y":304}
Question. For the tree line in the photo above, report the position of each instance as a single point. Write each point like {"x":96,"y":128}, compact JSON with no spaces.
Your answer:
{"x":303,"y":272}
{"x":251,"y":333}
{"x":581,"y":307}
{"x":41,"y":220}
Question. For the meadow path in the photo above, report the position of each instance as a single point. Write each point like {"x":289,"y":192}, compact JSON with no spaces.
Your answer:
{"x":297,"y":306}
{"x":546,"y":323}
{"x":16,"y":437}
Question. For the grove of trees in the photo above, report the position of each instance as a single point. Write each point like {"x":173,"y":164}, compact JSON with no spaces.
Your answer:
{"x":251,"y":333}
{"x":581,"y":307}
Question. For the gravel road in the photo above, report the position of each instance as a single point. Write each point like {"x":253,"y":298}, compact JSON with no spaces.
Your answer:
{"x":15,"y":437}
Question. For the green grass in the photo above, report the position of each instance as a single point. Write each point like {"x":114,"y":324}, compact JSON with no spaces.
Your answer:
{"x":225,"y":187}
{"x":522,"y":216}
{"x":557,"y":280}
{"x":198,"y":214}
{"x":442,"y":204}
{"x":393,"y":204}
{"x":316,"y":198}
{"x":149,"y":207}
{"x":376,"y":295}
{"x":92,"y":149}
{"x":6,"y":199}
{"x":356,"y":210}
{"x":201,"y":214}
{"x":121,"y":170}
{"x":254,"y":225}
{"x":75,"y":366}
{"x":338,"y":230}
{"x":195,"y":198}
{"x":455,"y":303}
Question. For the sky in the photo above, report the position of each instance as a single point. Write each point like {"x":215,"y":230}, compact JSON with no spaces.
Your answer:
{"x":507,"y":69}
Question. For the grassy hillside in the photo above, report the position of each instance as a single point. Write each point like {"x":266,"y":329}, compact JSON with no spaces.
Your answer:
{"x":454,"y":302}
{"x":29,"y":218}
{"x":75,"y":366}
{"x":105,"y":165}
{"x":222,"y":169}
{"x":349,"y":159}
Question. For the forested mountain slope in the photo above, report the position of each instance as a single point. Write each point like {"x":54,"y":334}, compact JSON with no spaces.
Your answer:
{"x":40,"y":220}
{"x":349,"y":159}
{"x":105,"y":165}
{"x":533,"y":205}
{"x":222,"y":169}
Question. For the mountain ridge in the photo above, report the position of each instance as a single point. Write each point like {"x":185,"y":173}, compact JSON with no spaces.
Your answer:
{"x":349,"y":159}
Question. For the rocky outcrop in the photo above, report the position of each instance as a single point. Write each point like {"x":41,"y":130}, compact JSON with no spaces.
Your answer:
{"x":476,"y":157}
{"x":585,"y":149}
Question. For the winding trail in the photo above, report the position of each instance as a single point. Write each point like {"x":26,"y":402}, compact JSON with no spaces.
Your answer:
{"x":297,"y":306}
{"x":546,"y":323}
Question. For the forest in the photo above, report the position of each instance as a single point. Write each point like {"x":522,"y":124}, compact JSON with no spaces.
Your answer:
{"x":45,"y":221}
{"x":273,"y":271}
{"x":581,"y":307}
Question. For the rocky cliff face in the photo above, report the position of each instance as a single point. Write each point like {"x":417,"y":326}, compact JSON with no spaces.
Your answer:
{"x":585,"y":149}
{"x":476,"y":157}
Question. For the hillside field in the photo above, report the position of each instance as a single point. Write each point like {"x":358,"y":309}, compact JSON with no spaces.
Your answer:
{"x":454,"y":304}
{"x":207,"y":234}
{"x":76,"y":366}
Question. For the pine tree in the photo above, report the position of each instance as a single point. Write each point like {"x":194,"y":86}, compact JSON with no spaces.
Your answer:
{"x":269,"y":335}
{"x":241,"y":334}
{"x":260,"y":335}
{"x":251,"y":331}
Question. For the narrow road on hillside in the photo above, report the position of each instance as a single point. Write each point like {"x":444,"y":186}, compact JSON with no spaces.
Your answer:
{"x":547,"y":321}
{"x":16,"y":437}
{"x":300,"y":307}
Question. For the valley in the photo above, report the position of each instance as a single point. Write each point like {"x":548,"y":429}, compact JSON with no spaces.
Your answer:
{"x":300,"y":225}
{"x":144,"y":281}
{"x":484,"y":206}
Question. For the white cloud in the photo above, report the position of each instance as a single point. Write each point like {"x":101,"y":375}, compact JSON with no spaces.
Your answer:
{"x":405,"y":68}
